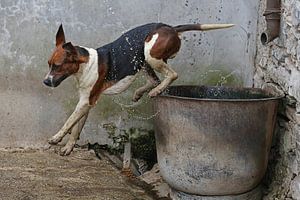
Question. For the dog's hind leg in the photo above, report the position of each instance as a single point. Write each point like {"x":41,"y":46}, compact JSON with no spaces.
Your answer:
{"x":168,"y":72}
{"x":152,"y":81}
{"x":74,"y":136}
{"x":160,"y":46}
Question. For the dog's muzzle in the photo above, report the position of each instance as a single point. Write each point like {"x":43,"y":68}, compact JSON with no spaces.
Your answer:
{"x":48,"y":82}
{"x":52,"y":81}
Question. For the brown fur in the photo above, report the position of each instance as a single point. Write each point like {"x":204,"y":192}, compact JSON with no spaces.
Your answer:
{"x":100,"y":85}
{"x":148,"y":38}
{"x":167,"y":44}
{"x":58,"y":56}
{"x":69,"y":63}
{"x":66,"y":56}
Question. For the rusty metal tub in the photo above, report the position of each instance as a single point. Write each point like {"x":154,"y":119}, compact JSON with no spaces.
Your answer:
{"x":214,"y":140}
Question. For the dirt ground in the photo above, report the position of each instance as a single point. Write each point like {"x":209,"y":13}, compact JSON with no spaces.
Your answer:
{"x":39,"y":174}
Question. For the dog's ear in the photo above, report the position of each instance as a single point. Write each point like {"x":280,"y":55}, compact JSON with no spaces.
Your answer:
{"x":69,"y":48}
{"x":60,"y":36}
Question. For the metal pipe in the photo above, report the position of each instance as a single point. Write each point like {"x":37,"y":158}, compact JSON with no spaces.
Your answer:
{"x":272,"y":15}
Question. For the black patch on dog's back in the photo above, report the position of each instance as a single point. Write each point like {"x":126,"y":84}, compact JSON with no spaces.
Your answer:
{"x":125,"y":56}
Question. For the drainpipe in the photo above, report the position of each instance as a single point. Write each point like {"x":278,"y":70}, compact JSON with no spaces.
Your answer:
{"x":272,"y":15}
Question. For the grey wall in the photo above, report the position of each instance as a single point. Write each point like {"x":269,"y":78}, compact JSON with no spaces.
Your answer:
{"x":31,"y":112}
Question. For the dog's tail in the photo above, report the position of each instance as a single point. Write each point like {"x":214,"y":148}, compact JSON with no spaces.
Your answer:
{"x":201,"y":27}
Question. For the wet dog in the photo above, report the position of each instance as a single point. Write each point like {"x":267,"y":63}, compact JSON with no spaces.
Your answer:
{"x":111,"y":69}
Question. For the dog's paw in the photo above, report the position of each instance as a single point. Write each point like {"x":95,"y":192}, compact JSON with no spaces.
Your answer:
{"x":66,"y":150}
{"x":136,"y":97}
{"x":54,"y":140}
{"x":154,"y":92}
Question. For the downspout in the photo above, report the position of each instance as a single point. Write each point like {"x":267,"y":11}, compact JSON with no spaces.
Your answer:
{"x":272,"y":15}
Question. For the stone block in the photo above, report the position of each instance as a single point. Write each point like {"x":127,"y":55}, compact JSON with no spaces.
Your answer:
{"x":273,"y":89}
{"x":279,"y":55}
{"x":297,"y":118}
{"x":263,"y":62}
{"x":279,"y":75}
{"x":296,"y":14}
{"x":298,"y":107}
{"x":291,"y":45}
{"x":295,"y":188}
{"x":258,"y":81}
{"x":294,"y":84}
{"x":298,"y":51}
{"x":290,"y":112}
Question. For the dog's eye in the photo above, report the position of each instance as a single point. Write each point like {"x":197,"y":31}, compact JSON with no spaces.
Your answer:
{"x":54,"y":66}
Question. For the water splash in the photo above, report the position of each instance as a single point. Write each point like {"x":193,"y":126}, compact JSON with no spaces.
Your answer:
{"x":131,"y":111}
{"x":223,"y":79}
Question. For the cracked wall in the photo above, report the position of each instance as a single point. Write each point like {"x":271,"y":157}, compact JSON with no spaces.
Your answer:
{"x":31,"y":112}
{"x":277,"y":69}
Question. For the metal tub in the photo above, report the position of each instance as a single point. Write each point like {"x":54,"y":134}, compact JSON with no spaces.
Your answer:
{"x":214,"y":140}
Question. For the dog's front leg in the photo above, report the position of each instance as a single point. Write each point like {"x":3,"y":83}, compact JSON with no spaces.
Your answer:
{"x":75,"y":133}
{"x":81,"y":109}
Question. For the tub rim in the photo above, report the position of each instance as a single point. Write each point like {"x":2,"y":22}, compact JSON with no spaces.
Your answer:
{"x":278,"y":97}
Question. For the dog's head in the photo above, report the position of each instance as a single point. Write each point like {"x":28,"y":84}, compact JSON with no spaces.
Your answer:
{"x":63,"y":62}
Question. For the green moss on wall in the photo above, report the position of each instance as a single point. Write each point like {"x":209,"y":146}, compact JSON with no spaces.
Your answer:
{"x":212,"y":76}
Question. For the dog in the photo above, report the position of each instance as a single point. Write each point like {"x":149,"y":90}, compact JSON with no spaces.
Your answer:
{"x":111,"y":68}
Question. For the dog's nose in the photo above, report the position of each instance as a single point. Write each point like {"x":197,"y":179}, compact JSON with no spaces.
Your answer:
{"x":47,"y":82}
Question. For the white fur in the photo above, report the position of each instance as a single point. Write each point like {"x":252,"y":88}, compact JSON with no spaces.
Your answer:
{"x":87,"y":75}
{"x":154,"y":63}
{"x":120,"y":86}
{"x":149,"y":45}
{"x":50,"y":77}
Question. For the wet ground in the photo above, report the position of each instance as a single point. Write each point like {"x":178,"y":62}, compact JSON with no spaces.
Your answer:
{"x":39,"y":174}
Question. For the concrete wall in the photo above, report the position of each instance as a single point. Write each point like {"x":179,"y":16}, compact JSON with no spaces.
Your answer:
{"x":31,"y":112}
{"x":277,"y":69}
